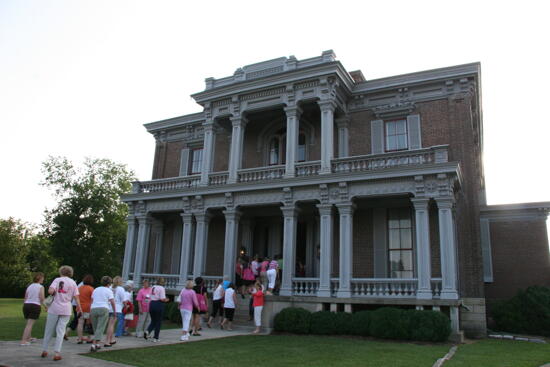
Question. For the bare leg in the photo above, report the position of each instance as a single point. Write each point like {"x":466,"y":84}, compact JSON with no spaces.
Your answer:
{"x":110,"y":331}
{"x":27,"y":332}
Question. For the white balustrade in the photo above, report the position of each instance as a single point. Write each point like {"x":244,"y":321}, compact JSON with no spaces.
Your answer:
{"x":261,"y":174}
{"x":308,"y":168}
{"x":334,"y":286}
{"x":436,"y":287}
{"x":171,"y":280}
{"x":218,"y":178}
{"x":170,"y":184}
{"x":305,"y":286}
{"x":210,"y":281}
{"x":384,"y":288}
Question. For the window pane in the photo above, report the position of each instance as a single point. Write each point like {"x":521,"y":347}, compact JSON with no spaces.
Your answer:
{"x":392,"y":143}
{"x":405,"y":238}
{"x":390,"y":128}
{"x":402,"y":142}
{"x":406,"y":260}
{"x":393,"y":223}
{"x":274,"y":151}
{"x":394,"y":242}
{"x":196,"y":161}
{"x":405,"y":221}
{"x":301,"y":153}
{"x":401,"y":127}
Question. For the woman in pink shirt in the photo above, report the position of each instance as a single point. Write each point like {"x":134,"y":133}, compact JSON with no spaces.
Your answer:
{"x":64,"y":290}
{"x":188,"y":300}
{"x":143,"y":298}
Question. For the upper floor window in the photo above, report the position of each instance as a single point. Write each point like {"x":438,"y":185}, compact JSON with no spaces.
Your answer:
{"x":400,"y":244}
{"x":196,"y":161}
{"x":301,"y":153}
{"x":277,"y":149}
{"x":396,"y":135}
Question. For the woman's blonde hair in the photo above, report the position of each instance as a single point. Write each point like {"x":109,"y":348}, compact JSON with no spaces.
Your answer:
{"x":66,"y":271}
{"x":117,"y":281}
{"x":189,"y":284}
{"x":160,"y":281}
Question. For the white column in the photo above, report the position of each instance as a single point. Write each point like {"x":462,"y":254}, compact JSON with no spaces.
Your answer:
{"x":143,"y":237}
{"x":201,"y":243}
{"x":159,"y":242}
{"x":235,"y":154}
{"x":232,"y":217}
{"x":208,"y":151}
{"x":292,"y":132}
{"x":343,"y":137}
{"x":447,"y":249}
{"x":129,"y":248}
{"x":325,"y":232}
{"x":247,"y":236}
{"x":327,"y":135}
{"x":185,"y":253}
{"x":423,"y":260}
{"x":346,"y":248}
{"x":290,"y":217}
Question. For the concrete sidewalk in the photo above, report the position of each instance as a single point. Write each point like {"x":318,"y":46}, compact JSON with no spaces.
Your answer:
{"x":14,"y":355}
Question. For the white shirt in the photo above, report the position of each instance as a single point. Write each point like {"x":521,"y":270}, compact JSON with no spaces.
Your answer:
{"x":120,"y":296}
{"x":32,"y":295}
{"x":229,"y":302}
{"x":129,"y":296}
{"x":101,"y":297}
{"x":218,"y":293}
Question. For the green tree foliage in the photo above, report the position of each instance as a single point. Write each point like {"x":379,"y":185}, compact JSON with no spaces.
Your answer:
{"x":87,"y":228}
{"x":14,"y":271}
{"x":40,"y":256}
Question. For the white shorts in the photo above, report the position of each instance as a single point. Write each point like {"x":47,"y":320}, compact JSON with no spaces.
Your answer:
{"x":185,"y":319}
{"x":271,"y":276}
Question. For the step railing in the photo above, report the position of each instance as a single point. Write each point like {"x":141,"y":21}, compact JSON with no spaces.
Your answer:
{"x":210,"y":281}
{"x":385,"y":287}
{"x":305,"y":286}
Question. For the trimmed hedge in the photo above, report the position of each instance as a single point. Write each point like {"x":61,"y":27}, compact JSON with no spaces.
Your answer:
{"x":293,"y":320}
{"x":527,"y":312}
{"x":172,"y":312}
{"x":387,"y":322}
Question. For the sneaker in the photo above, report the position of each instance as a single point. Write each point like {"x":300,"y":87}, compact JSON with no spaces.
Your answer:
{"x":145,"y":334}
{"x":25,"y":344}
{"x":93,"y":348}
{"x":156,"y":340}
{"x":184,"y":338}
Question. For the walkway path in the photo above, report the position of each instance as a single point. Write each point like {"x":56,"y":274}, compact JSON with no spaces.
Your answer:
{"x":14,"y":355}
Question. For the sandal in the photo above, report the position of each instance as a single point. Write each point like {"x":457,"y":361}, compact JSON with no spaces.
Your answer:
{"x":196,"y":334}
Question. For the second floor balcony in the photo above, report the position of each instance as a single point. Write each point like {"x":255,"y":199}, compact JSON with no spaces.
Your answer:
{"x":346,"y":167}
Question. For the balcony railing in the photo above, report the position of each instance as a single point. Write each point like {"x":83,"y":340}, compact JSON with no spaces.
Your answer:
{"x":386,"y":288}
{"x":171,"y":280}
{"x":305,"y":286}
{"x":437,"y":154}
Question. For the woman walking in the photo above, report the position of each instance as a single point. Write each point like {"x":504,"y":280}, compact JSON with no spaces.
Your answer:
{"x":202,"y":306}
{"x":272,"y":276}
{"x":128,"y":308}
{"x":120,"y":297}
{"x":258,"y":304}
{"x":32,"y":306}
{"x":229,"y":307}
{"x":102,"y":298}
{"x":156,"y":309}
{"x":86,"y":291}
{"x":63,"y":289}
{"x":188,"y":301}
{"x":143,"y":298}
{"x":217,"y":303}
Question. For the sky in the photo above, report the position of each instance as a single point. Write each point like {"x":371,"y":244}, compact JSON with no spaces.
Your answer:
{"x":80,"y":78}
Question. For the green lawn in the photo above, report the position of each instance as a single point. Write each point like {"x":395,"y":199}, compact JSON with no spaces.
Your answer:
{"x":12,"y":322}
{"x":281,"y":350}
{"x":500,"y":353}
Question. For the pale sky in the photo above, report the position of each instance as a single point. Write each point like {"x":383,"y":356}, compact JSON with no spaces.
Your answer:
{"x":79,"y":78}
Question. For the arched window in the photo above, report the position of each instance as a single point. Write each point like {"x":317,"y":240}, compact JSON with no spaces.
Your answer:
{"x":276,"y":148}
{"x":274,"y":153}
{"x":301,"y":153}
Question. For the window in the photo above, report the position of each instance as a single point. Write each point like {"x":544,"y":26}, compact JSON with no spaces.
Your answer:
{"x":400,"y":244}
{"x":396,"y":135}
{"x":301,"y":153}
{"x":274,"y":152}
{"x":196,"y":161}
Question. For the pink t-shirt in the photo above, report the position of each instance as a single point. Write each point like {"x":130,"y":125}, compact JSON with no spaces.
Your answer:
{"x":157,"y":293}
{"x":273,"y":264}
{"x":263,"y":266}
{"x":188,"y":299}
{"x":144,"y":297}
{"x":65,"y":290}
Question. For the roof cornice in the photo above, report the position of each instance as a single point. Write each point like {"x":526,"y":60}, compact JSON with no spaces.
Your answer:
{"x":153,"y":127}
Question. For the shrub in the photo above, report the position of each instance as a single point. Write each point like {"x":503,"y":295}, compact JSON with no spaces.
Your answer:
{"x":172,"y":312}
{"x":429,"y":326}
{"x":527,"y":312}
{"x":360,"y":323}
{"x":344,"y":322}
{"x":390,"y":323}
{"x":324,"y":323}
{"x":293,"y":320}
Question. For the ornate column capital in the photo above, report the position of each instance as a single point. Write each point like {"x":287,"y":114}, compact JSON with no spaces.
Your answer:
{"x":346,"y":208}
{"x":420,"y":203}
{"x":202,"y":216}
{"x":232,"y":214}
{"x":186,"y":217}
{"x":144,"y":219}
{"x":290,"y":211}
{"x":324,"y":209}
{"x":293,"y":111}
{"x":342,"y":121}
{"x":327,"y":105}
{"x":238,"y":120}
{"x":445,"y":202}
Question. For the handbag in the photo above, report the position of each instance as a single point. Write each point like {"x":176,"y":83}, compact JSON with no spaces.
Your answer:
{"x":202,"y":303}
{"x":48,"y":301}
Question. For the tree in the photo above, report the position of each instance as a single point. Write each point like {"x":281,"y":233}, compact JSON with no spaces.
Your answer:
{"x":87,"y":228}
{"x":40,"y":256}
{"x":14,"y":271}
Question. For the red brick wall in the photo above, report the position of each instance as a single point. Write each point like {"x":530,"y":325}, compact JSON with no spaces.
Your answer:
{"x":521,"y":257}
{"x":363,"y":250}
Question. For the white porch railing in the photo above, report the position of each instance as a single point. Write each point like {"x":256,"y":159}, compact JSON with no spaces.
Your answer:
{"x":389,"y":160}
{"x":384,"y":288}
{"x":171,"y":280}
{"x":261,"y":173}
{"x":305,"y":286}
{"x":210,"y":281}
{"x":308,"y":168}
{"x":334,"y":286}
{"x":218,"y":178}
{"x":168,"y":184}
{"x":436,"y":287}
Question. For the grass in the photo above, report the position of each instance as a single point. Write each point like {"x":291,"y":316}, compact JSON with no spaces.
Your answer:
{"x":12,"y":322}
{"x":281,"y":350}
{"x":501,"y":353}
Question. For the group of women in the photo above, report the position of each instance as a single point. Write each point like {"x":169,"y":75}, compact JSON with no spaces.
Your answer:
{"x":112,"y":303}
{"x":100,"y":307}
